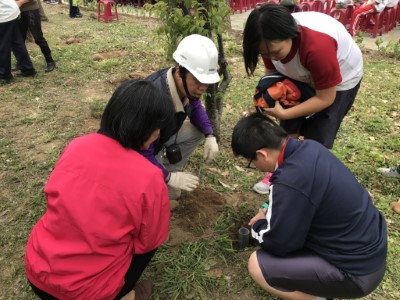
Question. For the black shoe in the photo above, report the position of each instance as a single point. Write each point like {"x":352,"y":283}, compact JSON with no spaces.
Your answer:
{"x":50,"y":67}
{"x":77,"y":16}
{"x":27,"y":73}
{"x":6,"y":80}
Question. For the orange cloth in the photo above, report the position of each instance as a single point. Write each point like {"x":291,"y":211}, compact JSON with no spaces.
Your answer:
{"x":285,"y":92}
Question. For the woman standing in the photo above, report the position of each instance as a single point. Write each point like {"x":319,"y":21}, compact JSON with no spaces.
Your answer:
{"x":310,"y":47}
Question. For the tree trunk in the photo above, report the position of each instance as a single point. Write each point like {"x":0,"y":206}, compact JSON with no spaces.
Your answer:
{"x":215,"y":93}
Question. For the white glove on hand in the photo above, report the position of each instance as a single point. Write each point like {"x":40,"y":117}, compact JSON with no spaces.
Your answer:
{"x":210,"y":148}
{"x":184,"y":181}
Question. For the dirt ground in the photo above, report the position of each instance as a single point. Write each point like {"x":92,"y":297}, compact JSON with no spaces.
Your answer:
{"x":193,"y":220}
{"x":198,"y":211}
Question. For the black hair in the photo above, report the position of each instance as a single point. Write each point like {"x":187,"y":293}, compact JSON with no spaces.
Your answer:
{"x":183,"y":74}
{"x":269,"y":22}
{"x":290,"y":7}
{"x":182,"y":71}
{"x":136,"y":109}
{"x":255,"y":132}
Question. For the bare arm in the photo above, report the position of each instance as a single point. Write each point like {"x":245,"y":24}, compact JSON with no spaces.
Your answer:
{"x":21,"y":2}
{"x":259,"y":216}
{"x":269,"y":71}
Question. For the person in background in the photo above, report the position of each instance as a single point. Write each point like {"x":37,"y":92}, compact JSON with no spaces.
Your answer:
{"x":197,"y":63}
{"x":53,"y":2}
{"x":368,"y":8}
{"x":313,"y":48}
{"x":43,"y":16}
{"x":107,"y":206}
{"x":343,"y":3}
{"x":74,"y":11}
{"x":321,"y":235}
{"x":11,"y":38}
{"x":31,"y":20}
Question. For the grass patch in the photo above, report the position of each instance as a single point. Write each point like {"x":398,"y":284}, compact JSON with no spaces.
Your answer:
{"x":41,"y":115}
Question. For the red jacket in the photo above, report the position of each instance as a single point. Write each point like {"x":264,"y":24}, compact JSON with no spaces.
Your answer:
{"x":104,"y":204}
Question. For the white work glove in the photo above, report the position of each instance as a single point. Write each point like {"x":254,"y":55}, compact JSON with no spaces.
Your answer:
{"x":184,"y":181}
{"x":210,"y":148}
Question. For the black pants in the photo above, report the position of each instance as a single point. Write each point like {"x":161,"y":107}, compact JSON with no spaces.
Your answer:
{"x":31,"y":20}
{"x":136,"y":268}
{"x":73,"y":9}
{"x":11,"y":39}
{"x":324,"y":125}
{"x":138,"y":264}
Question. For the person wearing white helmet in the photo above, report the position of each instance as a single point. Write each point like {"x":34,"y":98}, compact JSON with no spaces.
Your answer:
{"x":197,"y":67}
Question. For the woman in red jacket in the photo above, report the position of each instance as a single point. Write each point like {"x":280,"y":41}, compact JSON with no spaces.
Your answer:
{"x":107,"y":206}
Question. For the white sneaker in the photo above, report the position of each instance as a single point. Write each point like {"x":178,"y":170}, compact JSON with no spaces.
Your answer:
{"x":390,"y":172}
{"x":261,"y":188}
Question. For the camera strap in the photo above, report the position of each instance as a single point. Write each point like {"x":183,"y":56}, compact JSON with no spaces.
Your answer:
{"x":182,"y":72}
{"x":176,"y":136}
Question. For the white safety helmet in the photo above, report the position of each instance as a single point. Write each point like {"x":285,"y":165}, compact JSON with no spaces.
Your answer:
{"x":199,"y":56}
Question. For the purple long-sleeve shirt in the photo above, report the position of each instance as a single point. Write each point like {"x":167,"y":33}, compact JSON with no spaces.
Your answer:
{"x":193,"y":109}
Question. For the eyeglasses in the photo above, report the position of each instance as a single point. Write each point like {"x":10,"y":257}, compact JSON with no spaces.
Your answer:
{"x":249,"y":166}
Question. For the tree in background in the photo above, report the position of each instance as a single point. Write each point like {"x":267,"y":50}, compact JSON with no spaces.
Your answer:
{"x":206,"y":17}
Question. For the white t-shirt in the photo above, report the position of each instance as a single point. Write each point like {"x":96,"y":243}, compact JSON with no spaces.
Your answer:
{"x":323,"y":56}
{"x":9,"y":10}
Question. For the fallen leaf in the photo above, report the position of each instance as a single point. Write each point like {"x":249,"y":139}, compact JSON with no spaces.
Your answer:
{"x":214,"y":170}
{"x":239,"y":168}
{"x":227,"y":186}
{"x":225,"y":173}
{"x":395,"y":206}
